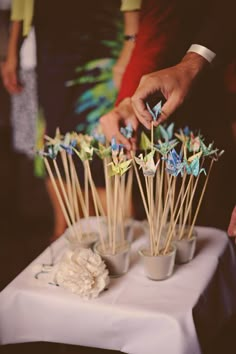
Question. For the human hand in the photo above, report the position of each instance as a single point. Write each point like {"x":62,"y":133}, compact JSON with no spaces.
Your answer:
{"x":9,"y":76}
{"x":232,"y":224}
{"x":173,"y":83}
{"x":120,"y":116}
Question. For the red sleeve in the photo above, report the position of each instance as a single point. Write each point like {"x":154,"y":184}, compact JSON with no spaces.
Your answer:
{"x":157,"y":37}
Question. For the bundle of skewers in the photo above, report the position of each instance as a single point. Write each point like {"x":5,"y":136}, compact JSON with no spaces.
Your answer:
{"x":172,"y":166}
{"x":60,"y":155}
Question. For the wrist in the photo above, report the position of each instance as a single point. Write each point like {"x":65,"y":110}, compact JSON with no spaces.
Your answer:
{"x":193,"y":64}
{"x":130,"y":37}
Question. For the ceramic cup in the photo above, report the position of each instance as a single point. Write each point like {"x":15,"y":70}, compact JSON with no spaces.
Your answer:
{"x":118,"y":263}
{"x":185,"y":249}
{"x":158,"y":267}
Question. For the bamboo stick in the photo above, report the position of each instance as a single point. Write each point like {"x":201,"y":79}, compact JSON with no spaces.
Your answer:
{"x":200,"y":201}
{"x":170,"y":233}
{"x":108,"y":199}
{"x":63,"y":208}
{"x":86,"y":163}
{"x":140,"y":186}
{"x":68,"y":179}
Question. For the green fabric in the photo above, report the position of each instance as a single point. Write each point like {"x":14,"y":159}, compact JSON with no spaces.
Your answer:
{"x":39,"y":168}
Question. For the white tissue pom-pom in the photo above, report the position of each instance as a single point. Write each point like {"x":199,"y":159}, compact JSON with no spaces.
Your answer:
{"x":82,"y":272}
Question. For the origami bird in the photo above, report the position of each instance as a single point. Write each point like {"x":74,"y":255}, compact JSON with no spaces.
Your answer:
{"x":147,"y":164}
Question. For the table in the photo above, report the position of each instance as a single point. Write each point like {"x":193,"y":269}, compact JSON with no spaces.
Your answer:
{"x":135,"y":315}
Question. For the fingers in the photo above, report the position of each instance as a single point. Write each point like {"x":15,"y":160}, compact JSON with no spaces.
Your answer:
{"x":10,"y":79}
{"x":11,"y":83}
{"x":232,"y":224}
{"x":109,"y":124}
{"x":173,"y":102}
{"x":110,"y":127}
{"x":120,"y":139}
{"x":141,"y":112}
{"x":149,"y":84}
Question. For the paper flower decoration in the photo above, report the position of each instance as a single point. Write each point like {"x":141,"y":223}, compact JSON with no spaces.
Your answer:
{"x":120,"y":168}
{"x":85,"y":152}
{"x":103,"y":151}
{"x":155,"y":111}
{"x":217,"y":154}
{"x":145,"y":142}
{"x":207,"y":150}
{"x":119,"y":164}
{"x":164,"y":148}
{"x":147,"y":164}
{"x":174,"y":164}
{"x":192,"y":165}
{"x":69,"y":142}
{"x":53,"y":145}
{"x":98,"y":135}
{"x":183,"y":135}
{"x":127,"y":131}
{"x":82,"y":272}
{"x":166,"y":133}
{"x":194,"y":143}
{"x":84,"y":139}
{"x":115,"y":150}
{"x":114,"y":145}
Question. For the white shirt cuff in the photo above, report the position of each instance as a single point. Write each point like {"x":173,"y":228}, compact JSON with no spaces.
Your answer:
{"x":203,"y":51}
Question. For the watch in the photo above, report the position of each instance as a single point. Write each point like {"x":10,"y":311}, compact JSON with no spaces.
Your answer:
{"x":130,"y":37}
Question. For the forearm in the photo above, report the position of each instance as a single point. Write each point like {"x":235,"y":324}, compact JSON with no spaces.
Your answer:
{"x":14,"y":38}
{"x":193,"y":65}
{"x":4,"y":33}
{"x":131,"y":27}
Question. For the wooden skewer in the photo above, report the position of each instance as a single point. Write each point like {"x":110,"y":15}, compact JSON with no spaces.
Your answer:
{"x":151,"y":216}
{"x":191,"y":210}
{"x":86,"y":164}
{"x":171,"y":232}
{"x":140,"y":186}
{"x":150,"y":221}
{"x":147,"y":192}
{"x":68,"y":179}
{"x":81,"y":198}
{"x":152,"y":136}
{"x":200,"y":201}
{"x":86,"y":188}
{"x":159,"y":207}
{"x":128,"y":191}
{"x":177,"y":205}
{"x":64,"y":192}
{"x":165,"y":210}
{"x":69,"y":224}
{"x":74,"y":195}
{"x":108,"y":199}
{"x":189,"y":206}
{"x":120,"y":204}
{"x":115,"y":215}
{"x":99,"y":203}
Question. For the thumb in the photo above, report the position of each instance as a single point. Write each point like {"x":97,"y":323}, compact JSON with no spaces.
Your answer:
{"x":171,"y":105}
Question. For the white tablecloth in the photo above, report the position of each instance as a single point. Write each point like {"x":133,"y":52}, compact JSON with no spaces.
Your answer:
{"x":135,"y":315}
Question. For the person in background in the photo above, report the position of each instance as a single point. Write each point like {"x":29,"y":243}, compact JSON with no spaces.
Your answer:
{"x":184,"y":66}
{"x":232,"y":224}
{"x":19,"y":78}
{"x":73,"y":39}
{"x":4,"y":97}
